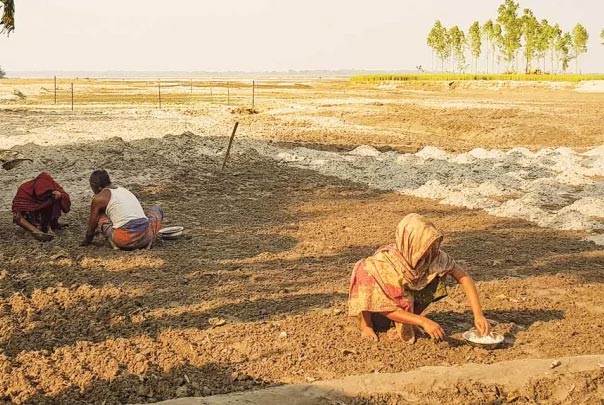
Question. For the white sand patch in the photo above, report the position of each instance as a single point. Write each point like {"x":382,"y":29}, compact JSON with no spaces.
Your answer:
{"x":365,"y":150}
{"x":480,"y":153}
{"x":590,"y":86}
{"x":551,"y":187}
{"x":599,"y":151}
{"x":589,"y":206}
{"x":430,"y":152}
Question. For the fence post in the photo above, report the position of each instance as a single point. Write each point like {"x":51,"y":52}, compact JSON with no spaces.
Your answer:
{"x":228,"y":94}
{"x":55,"y":90}
{"x":211,"y":96}
{"x":253,"y":94}
{"x":191,"y":86}
{"x":71,"y":96}
{"x":159,"y":92}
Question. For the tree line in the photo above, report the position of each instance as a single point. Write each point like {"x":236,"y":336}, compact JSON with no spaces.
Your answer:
{"x":515,"y":39}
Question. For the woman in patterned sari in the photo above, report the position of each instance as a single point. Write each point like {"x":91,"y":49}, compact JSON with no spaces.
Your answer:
{"x":399,"y":282}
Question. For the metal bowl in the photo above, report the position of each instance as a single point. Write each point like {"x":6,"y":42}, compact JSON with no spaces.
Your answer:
{"x":171,"y":236}
{"x":472,"y":338}
{"x":172,"y":232}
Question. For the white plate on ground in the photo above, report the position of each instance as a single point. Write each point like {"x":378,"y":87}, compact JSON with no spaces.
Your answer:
{"x":490,"y":341}
{"x":174,"y":235}
{"x":171,"y":230}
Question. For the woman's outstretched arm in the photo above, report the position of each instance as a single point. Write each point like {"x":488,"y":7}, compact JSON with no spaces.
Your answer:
{"x":481,"y":323}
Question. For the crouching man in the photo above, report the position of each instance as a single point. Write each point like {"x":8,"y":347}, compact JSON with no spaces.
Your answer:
{"x":119,"y":216}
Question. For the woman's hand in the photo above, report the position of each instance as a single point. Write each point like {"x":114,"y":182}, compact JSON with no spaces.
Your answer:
{"x":56,"y":195}
{"x":483,"y":325}
{"x":433,"y":329}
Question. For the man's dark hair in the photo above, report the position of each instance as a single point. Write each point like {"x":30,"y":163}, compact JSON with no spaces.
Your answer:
{"x":100,"y":178}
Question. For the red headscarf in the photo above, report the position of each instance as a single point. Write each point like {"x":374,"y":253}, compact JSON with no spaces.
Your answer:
{"x":36,"y":195}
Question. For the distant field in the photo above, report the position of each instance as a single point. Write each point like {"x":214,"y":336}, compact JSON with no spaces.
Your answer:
{"x":460,"y":76}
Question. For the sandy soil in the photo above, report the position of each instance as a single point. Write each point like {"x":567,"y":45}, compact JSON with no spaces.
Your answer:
{"x":405,"y":117}
{"x":268,"y":250}
{"x":573,"y":380}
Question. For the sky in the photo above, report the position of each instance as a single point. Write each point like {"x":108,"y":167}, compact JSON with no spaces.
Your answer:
{"x":255,"y":35}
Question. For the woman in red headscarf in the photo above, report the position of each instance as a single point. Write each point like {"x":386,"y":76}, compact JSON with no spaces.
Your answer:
{"x":38,"y":206}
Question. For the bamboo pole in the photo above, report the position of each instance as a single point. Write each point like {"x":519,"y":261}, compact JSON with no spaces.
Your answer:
{"x":226,"y":156}
{"x":159,"y":92}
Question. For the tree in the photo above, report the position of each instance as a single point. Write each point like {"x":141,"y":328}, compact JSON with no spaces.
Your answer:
{"x":498,"y":40}
{"x":8,"y":16}
{"x":457,"y":41}
{"x":563,"y":45}
{"x":543,"y":41}
{"x":475,"y":43}
{"x":438,"y":41}
{"x":511,"y":31}
{"x":579,"y":44}
{"x":530,"y":34}
{"x":488,"y":34}
{"x":554,"y":37}
{"x":2,"y":73}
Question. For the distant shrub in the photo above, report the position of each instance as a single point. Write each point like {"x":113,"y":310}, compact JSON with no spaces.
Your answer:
{"x":2,"y":73}
{"x":461,"y":76}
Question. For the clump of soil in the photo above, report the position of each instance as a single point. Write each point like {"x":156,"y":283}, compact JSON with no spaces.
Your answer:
{"x":244,"y":110}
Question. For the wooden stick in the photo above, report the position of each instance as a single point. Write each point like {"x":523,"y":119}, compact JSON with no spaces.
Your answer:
{"x":191,"y":86}
{"x":55,"y":90}
{"x":253,"y":94}
{"x":228,"y":94}
{"x":159,"y":92}
{"x":211,"y":96}
{"x":226,"y":156}
{"x":71,"y":96}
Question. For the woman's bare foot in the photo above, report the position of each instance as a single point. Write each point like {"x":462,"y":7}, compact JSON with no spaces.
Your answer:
{"x":368,"y":333}
{"x":366,"y":326}
{"x":42,"y":236}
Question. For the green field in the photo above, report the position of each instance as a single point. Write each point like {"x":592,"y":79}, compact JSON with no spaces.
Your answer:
{"x":463,"y":76}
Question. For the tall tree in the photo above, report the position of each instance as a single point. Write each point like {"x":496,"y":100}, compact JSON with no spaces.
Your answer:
{"x":475,"y":43}
{"x":457,"y":41}
{"x":543,"y":42}
{"x":579,"y":44}
{"x":554,"y":37}
{"x":488,"y":33}
{"x":8,"y":16}
{"x":511,"y":31}
{"x":530,"y":35}
{"x":498,"y":40}
{"x":438,"y":41}
{"x":563,"y":48}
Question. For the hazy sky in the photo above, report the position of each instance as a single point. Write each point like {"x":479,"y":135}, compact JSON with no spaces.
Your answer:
{"x":255,"y":35}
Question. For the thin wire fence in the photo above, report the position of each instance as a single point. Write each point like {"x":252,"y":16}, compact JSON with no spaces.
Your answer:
{"x":161,"y":93}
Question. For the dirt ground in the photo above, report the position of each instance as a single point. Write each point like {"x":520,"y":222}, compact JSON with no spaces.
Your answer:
{"x":255,"y":293}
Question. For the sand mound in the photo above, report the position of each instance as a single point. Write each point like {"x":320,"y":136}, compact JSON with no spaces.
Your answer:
{"x":557,"y":188}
